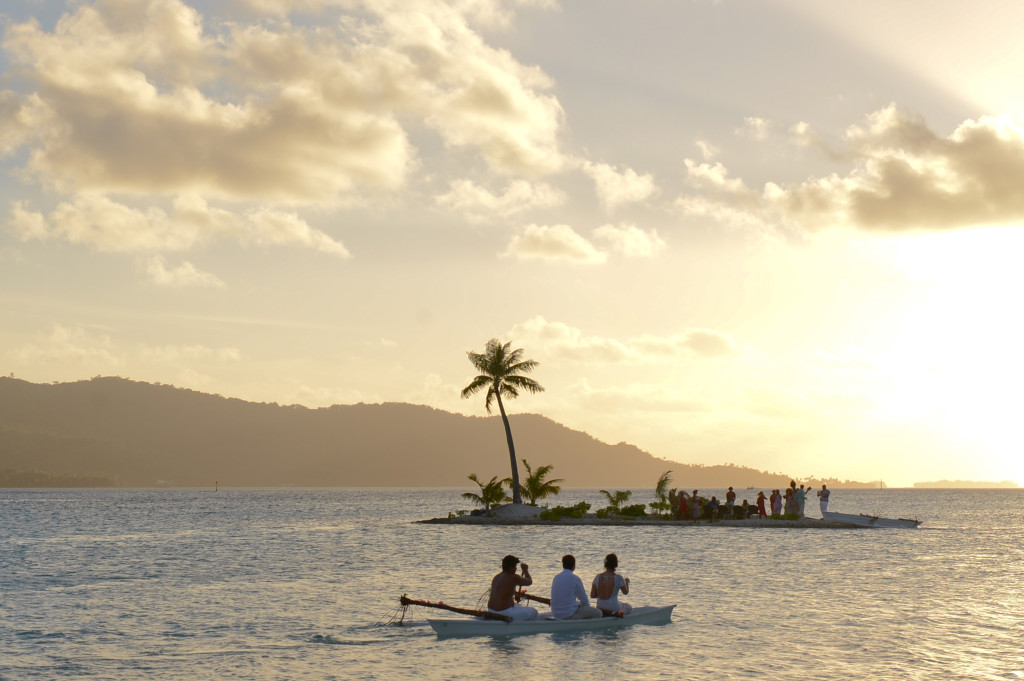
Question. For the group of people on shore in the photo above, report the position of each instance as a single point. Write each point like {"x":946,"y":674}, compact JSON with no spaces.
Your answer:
{"x":790,"y":501}
{"x":569,"y":599}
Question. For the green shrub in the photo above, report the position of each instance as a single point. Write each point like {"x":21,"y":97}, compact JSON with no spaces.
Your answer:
{"x":602,"y":513}
{"x":559,"y":512}
{"x":636,"y":510}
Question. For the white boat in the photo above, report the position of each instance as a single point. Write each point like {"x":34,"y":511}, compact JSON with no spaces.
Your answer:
{"x":477,"y":626}
{"x":864,"y":520}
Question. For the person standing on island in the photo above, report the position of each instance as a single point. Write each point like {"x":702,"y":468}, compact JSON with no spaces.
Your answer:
{"x":761,"y":512}
{"x":730,"y":502}
{"x":695,"y":506}
{"x":568,"y":597}
{"x":606,"y":588}
{"x":801,"y":499}
{"x":503,"y":591}
{"x":823,"y":495}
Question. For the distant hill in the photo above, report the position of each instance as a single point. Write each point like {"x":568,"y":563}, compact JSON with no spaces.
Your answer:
{"x":133,"y":434}
{"x":966,"y":484}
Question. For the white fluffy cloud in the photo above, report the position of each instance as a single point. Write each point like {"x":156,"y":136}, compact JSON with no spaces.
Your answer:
{"x":561,"y":242}
{"x":904,"y":177}
{"x":480,"y":204}
{"x":149,"y":96}
{"x":106,"y":225}
{"x":184,"y":274}
{"x":909,"y":177}
{"x":615,"y":188}
{"x":630,"y":240}
{"x":553,"y":242}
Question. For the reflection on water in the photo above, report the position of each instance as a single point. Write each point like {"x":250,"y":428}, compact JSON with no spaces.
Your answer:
{"x":274,"y":584}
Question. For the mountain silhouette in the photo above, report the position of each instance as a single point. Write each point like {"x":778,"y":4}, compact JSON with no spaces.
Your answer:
{"x":135,"y":434}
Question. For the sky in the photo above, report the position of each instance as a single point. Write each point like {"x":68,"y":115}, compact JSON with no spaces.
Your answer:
{"x":782,"y":234}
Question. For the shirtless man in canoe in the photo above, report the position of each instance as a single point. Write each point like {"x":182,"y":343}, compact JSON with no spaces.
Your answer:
{"x":503,"y":590}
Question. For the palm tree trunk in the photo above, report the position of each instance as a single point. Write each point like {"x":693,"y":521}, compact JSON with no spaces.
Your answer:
{"x":516,"y":496}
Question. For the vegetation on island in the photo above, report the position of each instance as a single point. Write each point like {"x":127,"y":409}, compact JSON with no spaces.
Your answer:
{"x":666,"y":505}
{"x":663,"y":505}
{"x":536,"y":488}
{"x":491,"y":493}
{"x":501,"y":373}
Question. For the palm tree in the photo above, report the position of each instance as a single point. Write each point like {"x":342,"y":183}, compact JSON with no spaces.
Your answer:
{"x":616,"y":500}
{"x":661,"y":491}
{"x":500,"y":370}
{"x":536,"y":487}
{"x":490,"y":492}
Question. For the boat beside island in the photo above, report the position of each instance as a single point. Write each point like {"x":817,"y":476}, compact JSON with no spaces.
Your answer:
{"x":865,"y":520}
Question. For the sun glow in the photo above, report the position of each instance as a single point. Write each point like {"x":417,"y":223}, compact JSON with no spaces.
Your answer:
{"x":955,"y":359}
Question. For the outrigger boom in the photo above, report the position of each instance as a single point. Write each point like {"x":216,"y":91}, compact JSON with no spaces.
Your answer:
{"x":486,"y":614}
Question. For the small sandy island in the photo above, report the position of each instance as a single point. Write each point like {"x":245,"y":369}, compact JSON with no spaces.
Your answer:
{"x":524,"y":514}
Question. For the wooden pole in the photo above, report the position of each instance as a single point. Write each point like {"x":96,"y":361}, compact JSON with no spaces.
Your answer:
{"x":486,"y":614}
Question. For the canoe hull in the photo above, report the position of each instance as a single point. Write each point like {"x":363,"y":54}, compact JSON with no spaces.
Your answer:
{"x":481,"y":627}
{"x":863,"y":520}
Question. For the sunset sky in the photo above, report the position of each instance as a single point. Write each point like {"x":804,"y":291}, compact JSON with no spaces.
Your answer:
{"x":781,"y":234}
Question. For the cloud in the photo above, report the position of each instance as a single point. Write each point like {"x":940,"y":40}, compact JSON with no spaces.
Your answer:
{"x":616,"y":188}
{"x":720,"y":198}
{"x":631,"y":240}
{"x":150,"y":97}
{"x":554,"y":242}
{"x":274,"y":227}
{"x":106,"y":225}
{"x":907,"y":177}
{"x":20,"y":117}
{"x":72,"y":346}
{"x":474,"y":95}
{"x":715,"y":178}
{"x":707,"y":150}
{"x":185,"y":274}
{"x":569,"y":342}
{"x":755,"y":128}
{"x":480,"y":204}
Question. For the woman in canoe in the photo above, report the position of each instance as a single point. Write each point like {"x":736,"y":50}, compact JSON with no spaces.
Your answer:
{"x":606,"y":588}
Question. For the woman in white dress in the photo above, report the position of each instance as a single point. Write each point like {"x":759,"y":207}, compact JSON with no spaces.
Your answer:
{"x":606,"y":588}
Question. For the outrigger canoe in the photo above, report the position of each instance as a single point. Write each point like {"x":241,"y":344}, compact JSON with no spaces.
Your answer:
{"x":546,"y":624}
{"x":864,"y":520}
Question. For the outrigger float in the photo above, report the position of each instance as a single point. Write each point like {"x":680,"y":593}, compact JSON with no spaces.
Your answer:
{"x":865,"y":520}
{"x":486,"y":623}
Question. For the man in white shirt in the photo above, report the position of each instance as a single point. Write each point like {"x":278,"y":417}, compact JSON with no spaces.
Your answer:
{"x":569,"y":599}
{"x":823,"y":499}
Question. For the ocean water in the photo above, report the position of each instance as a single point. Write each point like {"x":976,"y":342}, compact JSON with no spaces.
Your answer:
{"x":302,"y":583}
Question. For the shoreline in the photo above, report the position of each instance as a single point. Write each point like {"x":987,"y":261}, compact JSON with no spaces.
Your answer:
{"x":805,"y":523}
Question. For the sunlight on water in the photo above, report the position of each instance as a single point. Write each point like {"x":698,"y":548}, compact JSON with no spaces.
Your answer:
{"x":289,"y":584}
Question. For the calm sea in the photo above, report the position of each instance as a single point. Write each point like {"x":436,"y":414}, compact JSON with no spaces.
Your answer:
{"x":300,"y":583}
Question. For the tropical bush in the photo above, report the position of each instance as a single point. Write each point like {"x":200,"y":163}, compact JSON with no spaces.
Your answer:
{"x":662,"y":506}
{"x":616,"y":500}
{"x":535,"y":487}
{"x":636,"y":510}
{"x":559,"y":512}
{"x":491,"y":493}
